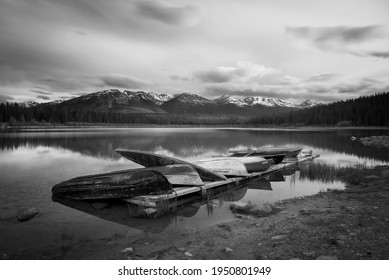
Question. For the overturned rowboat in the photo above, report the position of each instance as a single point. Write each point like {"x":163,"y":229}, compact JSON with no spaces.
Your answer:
{"x":250,"y":164}
{"x":128,"y":183}
{"x":267,"y":152}
{"x":122,"y":184}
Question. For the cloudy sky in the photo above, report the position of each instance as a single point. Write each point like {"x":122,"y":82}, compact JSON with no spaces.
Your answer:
{"x":323,"y":50}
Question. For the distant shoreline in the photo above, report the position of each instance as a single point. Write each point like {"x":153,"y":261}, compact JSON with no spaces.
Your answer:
{"x":6,"y":127}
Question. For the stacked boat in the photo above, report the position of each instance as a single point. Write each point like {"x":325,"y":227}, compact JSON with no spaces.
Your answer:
{"x":161,"y":174}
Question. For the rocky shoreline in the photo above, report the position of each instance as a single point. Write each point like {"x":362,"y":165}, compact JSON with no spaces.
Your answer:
{"x":350,"y":224}
{"x":377,"y":141}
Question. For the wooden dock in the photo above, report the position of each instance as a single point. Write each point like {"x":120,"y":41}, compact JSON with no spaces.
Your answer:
{"x":187,"y":193}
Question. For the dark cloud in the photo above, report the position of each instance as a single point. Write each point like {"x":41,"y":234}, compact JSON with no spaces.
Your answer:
{"x":357,"y":88}
{"x":41,"y":92}
{"x":322,"y":77}
{"x":169,"y":14}
{"x":379,"y":54}
{"x":214,"y":77}
{"x":179,"y":78}
{"x":44,"y":97}
{"x":65,"y":97}
{"x":342,"y":34}
{"x":340,"y":38}
{"x":80,"y":32}
{"x":123,"y":81}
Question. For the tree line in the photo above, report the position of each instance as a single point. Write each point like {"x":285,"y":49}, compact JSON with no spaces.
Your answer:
{"x":366,"y":111}
{"x":16,"y":114}
{"x":363,"y":111}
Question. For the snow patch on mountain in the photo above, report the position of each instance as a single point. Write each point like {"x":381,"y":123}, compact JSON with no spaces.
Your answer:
{"x":192,"y":98}
{"x":267,"y":101}
{"x":308,"y":104}
{"x":226,"y":99}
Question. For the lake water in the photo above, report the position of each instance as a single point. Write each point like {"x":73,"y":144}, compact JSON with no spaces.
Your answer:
{"x":32,"y":161}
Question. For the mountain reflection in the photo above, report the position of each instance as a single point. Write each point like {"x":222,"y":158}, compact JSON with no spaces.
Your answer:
{"x":191,"y":143}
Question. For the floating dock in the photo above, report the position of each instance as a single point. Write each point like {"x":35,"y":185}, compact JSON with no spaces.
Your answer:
{"x":186,"y":194}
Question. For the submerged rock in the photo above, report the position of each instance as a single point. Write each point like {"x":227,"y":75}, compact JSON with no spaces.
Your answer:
{"x":100,"y":205}
{"x":188,"y":254}
{"x":26,"y":214}
{"x":378,"y":141}
{"x":252,"y":209}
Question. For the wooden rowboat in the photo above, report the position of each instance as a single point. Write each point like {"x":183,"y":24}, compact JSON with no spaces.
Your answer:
{"x":127,"y":183}
{"x":228,"y":167}
{"x":267,"y":151}
{"x":120,"y":184}
{"x":252,"y":164}
{"x":153,"y":160}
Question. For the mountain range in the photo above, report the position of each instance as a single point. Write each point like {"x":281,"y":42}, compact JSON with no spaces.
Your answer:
{"x":126,"y":101}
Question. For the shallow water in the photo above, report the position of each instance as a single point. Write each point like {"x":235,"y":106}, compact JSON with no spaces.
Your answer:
{"x":32,"y":161}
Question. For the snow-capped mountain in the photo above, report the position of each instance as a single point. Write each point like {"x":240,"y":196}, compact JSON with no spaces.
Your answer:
{"x":226,"y":99}
{"x":157,"y":98}
{"x":28,"y":104}
{"x":264,"y":101}
{"x":192,"y":98}
{"x":307,"y":104}
{"x":127,"y":101}
{"x":267,"y":101}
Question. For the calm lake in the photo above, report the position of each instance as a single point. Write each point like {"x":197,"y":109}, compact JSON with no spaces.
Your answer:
{"x":32,"y":161}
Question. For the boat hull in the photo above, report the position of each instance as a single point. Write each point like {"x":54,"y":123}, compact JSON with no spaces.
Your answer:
{"x":287,"y":151}
{"x":225,"y":166}
{"x":120,"y":184}
{"x":252,"y":163}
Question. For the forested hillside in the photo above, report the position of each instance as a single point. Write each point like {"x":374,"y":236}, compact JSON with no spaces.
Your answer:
{"x":363,"y":111}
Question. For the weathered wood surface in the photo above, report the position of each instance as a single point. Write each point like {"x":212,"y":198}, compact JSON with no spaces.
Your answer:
{"x":226,"y":166}
{"x":287,"y":151}
{"x":276,"y":158}
{"x":252,"y":163}
{"x":180,"y":174}
{"x":120,"y":184}
{"x":153,"y":160}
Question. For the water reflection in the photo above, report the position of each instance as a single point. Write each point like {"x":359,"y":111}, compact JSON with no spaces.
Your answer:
{"x":127,"y":214}
{"x":318,"y":171}
{"x":193,"y":143}
{"x":32,"y":162}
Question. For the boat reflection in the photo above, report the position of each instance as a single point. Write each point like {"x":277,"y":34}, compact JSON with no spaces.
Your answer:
{"x":127,"y":214}
{"x":120,"y":212}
